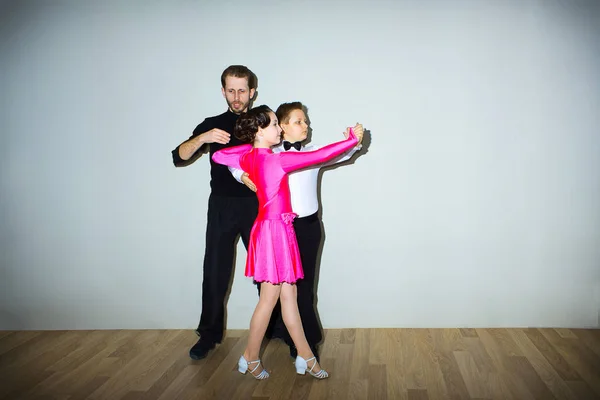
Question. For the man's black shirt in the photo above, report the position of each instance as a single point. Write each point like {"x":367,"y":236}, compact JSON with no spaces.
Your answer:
{"x":222,"y":183}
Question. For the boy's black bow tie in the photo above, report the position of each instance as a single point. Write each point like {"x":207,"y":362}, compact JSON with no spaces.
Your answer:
{"x":287,"y":145}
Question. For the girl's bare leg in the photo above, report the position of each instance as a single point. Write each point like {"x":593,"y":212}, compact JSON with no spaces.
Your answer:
{"x":269,"y":294}
{"x":293,"y":323}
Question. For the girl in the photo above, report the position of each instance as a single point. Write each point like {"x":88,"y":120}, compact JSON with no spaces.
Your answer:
{"x":273,"y":257}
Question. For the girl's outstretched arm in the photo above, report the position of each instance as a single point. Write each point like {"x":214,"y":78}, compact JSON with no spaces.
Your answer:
{"x":291,"y":161}
{"x":231,"y":155}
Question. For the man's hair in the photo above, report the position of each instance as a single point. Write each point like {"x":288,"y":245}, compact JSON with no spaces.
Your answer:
{"x":240,"y":71}
{"x":284,"y":110}
{"x":249,"y":122}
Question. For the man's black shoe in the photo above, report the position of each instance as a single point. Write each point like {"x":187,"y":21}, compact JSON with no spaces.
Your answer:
{"x":200,"y":349}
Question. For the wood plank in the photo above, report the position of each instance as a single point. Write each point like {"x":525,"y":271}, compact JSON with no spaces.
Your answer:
{"x":331,"y":342}
{"x":585,"y":362}
{"x":436,"y":387}
{"x":498,"y":354}
{"x":394,"y":360}
{"x":522,"y":367}
{"x":300,"y":389}
{"x":15,"y":339}
{"x":418,"y":394}
{"x":452,"y":376}
{"x":493,"y":364}
{"x":218,"y":368}
{"x":360,"y":355}
{"x":589,"y":338}
{"x":562,"y":367}
{"x":87,"y":364}
{"x":4,"y":334}
{"x":347,"y":336}
{"x":468,"y":332}
{"x":339,"y":379}
{"x":547,"y":374}
{"x":281,"y":367}
{"x":377,"y":382}
{"x":321,"y":387}
{"x":565,"y":333}
{"x":378,"y":349}
{"x":470,"y":375}
{"x":415,"y":378}
{"x":582,"y":390}
{"x":483,"y":361}
{"x":359,"y":389}
{"x":505,"y":342}
{"x":144,"y":368}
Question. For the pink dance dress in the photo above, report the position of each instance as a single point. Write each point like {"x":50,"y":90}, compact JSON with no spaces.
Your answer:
{"x":273,"y":254}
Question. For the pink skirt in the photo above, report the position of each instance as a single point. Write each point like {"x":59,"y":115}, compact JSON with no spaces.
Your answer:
{"x":273,"y":254}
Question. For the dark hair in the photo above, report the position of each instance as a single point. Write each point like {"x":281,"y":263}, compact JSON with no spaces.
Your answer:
{"x":284,"y":110}
{"x":240,"y":71}
{"x":249,"y":122}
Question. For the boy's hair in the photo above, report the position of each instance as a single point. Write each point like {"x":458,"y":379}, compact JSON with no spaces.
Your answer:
{"x":284,"y":110}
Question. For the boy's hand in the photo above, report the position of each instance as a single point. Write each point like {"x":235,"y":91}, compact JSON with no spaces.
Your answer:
{"x":359,"y":131}
{"x":248,"y":182}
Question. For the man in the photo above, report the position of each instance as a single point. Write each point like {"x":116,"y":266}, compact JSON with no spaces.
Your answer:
{"x":232,"y":208}
{"x":308,"y":226}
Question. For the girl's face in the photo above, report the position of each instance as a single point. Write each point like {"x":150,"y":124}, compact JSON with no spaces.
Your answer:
{"x":271,"y":135}
{"x":296,"y":129}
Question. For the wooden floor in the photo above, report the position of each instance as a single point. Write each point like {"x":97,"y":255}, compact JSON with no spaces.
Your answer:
{"x":364,"y":364}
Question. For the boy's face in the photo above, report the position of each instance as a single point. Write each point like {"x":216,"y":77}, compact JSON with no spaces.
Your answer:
{"x":296,"y":129}
{"x":237,"y":94}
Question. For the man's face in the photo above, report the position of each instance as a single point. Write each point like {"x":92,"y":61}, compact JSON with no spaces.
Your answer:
{"x":296,"y":129}
{"x":237,"y":94}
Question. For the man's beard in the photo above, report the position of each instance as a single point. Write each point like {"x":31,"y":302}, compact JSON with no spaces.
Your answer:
{"x":242,"y":106}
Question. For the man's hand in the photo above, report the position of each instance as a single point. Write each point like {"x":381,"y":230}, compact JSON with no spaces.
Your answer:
{"x":215,"y":135}
{"x":248,"y":182}
{"x":188,"y":148}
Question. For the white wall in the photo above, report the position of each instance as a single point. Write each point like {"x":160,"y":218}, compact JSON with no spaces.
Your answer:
{"x":477,"y":203}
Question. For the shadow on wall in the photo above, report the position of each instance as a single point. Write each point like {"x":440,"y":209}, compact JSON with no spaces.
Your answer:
{"x":366,"y":143}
